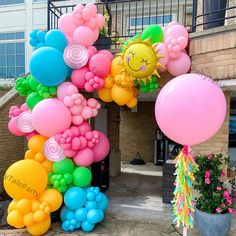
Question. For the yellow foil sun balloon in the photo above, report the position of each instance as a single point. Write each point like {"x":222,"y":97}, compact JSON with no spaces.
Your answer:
{"x":140,"y":59}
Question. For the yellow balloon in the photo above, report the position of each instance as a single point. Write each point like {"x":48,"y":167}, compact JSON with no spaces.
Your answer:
{"x":121,"y":95}
{"x":24,"y":206}
{"x":36,"y":143}
{"x":15,"y":219}
{"x":132,"y":103}
{"x":25,"y":179}
{"x":53,"y":198}
{"x":109,"y":81}
{"x":105,"y":94}
{"x":39,"y":228}
{"x":11,"y":206}
{"x":116,"y":66}
{"x":28,"y":219}
{"x":47,"y":165}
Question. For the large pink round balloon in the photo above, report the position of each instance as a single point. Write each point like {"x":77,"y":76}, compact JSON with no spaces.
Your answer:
{"x":51,"y":116}
{"x":100,"y":65}
{"x":84,"y":35}
{"x":190,"y":109}
{"x":102,"y":148}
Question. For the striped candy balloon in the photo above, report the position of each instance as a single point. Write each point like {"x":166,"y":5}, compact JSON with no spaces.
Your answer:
{"x":24,"y":122}
{"x":76,"y":56}
{"x":52,"y":150}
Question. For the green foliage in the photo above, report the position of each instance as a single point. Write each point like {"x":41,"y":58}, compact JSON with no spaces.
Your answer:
{"x":213,"y":196}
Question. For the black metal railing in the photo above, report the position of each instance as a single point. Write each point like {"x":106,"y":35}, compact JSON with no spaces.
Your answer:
{"x":213,"y":13}
{"x":129,"y":17}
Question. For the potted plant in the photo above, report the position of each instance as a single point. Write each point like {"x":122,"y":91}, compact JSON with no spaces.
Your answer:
{"x":218,"y":17}
{"x":214,"y":203}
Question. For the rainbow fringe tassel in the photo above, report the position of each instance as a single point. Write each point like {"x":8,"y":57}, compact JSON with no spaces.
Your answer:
{"x":183,"y":193}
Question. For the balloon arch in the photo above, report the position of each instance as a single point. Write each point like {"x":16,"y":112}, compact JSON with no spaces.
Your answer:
{"x":62,"y":145}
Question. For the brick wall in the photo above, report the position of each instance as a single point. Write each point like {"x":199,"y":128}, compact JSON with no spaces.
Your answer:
{"x":11,"y":147}
{"x":137,"y":132}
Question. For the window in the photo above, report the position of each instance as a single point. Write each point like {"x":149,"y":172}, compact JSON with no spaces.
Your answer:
{"x":39,"y":0}
{"x":9,"y":2}
{"x":136,"y":24}
{"x":12,"y":55}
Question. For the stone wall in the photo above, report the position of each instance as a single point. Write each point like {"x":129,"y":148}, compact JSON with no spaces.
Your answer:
{"x":12,"y":148}
{"x":137,"y":132}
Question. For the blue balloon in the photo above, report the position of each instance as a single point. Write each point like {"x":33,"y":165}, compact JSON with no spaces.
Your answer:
{"x":40,"y":44}
{"x":87,"y":227}
{"x":103,"y":204}
{"x":66,"y":214}
{"x":47,"y":66}
{"x":40,"y":36}
{"x":33,"y":33}
{"x":98,"y":197}
{"x":102,"y":215}
{"x":65,"y":226}
{"x":81,"y":214}
{"x":33,"y":42}
{"x":90,"y":205}
{"x":75,"y":198}
{"x":94,"y":216}
{"x":91,"y":196}
{"x":56,"y":39}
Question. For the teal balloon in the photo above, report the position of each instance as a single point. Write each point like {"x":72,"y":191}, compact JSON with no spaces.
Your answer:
{"x":56,"y":39}
{"x":33,"y":42}
{"x":94,"y":216}
{"x":87,"y":227}
{"x":81,"y":214}
{"x":66,"y":214}
{"x":40,"y":36}
{"x":155,"y":33}
{"x":103,"y":204}
{"x":32,"y":100}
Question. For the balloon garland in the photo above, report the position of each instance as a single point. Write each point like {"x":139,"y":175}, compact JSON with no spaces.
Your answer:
{"x":62,"y":144}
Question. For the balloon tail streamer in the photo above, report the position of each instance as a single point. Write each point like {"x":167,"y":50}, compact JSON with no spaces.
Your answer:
{"x":183,"y":193}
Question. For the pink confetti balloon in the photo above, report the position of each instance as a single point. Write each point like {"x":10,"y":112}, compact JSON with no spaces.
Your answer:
{"x":190,"y":109}
{"x":24,"y":122}
{"x":76,"y":56}
{"x":52,"y":150}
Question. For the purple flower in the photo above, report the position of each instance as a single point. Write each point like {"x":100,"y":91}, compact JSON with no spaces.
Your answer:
{"x":218,"y":188}
{"x":207,"y":181}
{"x":218,"y":210}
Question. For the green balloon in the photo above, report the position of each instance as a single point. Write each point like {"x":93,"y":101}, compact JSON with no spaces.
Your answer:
{"x":155,"y":33}
{"x":33,"y":99}
{"x":63,"y":167}
{"x":82,"y":177}
{"x":33,"y":83}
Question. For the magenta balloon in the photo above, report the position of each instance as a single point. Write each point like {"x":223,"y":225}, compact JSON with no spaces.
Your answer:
{"x":62,"y":90}
{"x":190,"y":109}
{"x":67,"y":24}
{"x":106,"y":53}
{"x":78,"y":77}
{"x":100,"y":65}
{"x":84,"y":157}
{"x":12,"y":126}
{"x":101,"y":149}
{"x":179,"y":66}
{"x":84,"y":35}
{"x":51,"y":116}
{"x":84,"y":128}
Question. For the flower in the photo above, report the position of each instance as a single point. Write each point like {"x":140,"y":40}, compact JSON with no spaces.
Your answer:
{"x":231,"y":210}
{"x":218,"y":210}
{"x":207,"y":181}
{"x":229,"y":200}
{"x":207,"y":174}
{"x":222,"y":174}
{"x":209,"y":156}
{"x":226,"y":194}
{"x":223,"y":205}
{"x":218,"y":188}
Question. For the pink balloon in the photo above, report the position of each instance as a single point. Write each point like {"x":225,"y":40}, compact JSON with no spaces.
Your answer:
{"x":106,"y":53}
{"x":84,"y":157}
{"x":183,"y":42}
{"x":84,"y":128}
{"x":190,"y":109}
{"x":78,"y":77}
{"x":67,"y":24}
{"x":92,"y":8}
{"x":172,"y":23}
{"x":177,"y":31}
{"x":70,"y":153}
{"x":100,"y":20}
{"x":179,"y":66}
{"x":69,"y":39}
{"x":86,"y":14}
{"x":95,"y":34}
{"x":24,"y":107}
{"x":101,"y":149}
{"x":84,"y":35}
{"x":62,"y":90}
{"x":51,"y":116}
{"x":12,"y":126}
{"x":91,"y":51}
{"x":100,"y":64}
{"x":164,"y":52}
{"x":92,"y":24}
{"x":30,"y":135}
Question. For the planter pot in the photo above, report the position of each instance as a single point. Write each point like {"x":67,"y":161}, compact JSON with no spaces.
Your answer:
{"x":212,"y":224}
{"x":103,"y":43}
{"x":210,"y":6}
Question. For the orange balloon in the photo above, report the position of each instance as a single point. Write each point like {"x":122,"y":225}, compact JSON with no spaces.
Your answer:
{"x":11,"y":206}
{"x":24,"y":206}
{"x":105,"y":94}
{"x":36,"y":143}
{"x":39,"y":228}
{"x":25,"y":179}
{"x":15,"y":219}
{"x":28,"y":219}
{"x":53,"y":198}
{"x":121,"y":95}
{"x":116,"y":66}
{"x":109,"y":81}
{"x":132,"y":103}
